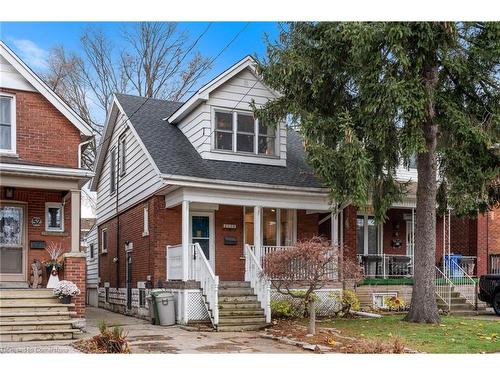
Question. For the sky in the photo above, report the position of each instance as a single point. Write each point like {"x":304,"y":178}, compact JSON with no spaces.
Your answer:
{"x":33,"y":40}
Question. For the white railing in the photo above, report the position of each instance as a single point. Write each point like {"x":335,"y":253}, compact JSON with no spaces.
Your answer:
{"x":386,"y":265}
{"x":443,"y":287}
{"x":200,"y":270}
{"x":462,"y":282}
{"x":301,"y":269}
{"x":174,"y":262}
{"x":259,"y":283}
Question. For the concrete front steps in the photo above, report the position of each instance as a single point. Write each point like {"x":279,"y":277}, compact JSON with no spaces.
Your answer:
{"x":239,"y":309}
{"x":34,"y":314}
{"x":459,"y":305}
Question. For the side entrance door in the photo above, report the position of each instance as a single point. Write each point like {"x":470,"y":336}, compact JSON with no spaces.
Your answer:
{"x":12,"y":243}
{"x":202,"y":232}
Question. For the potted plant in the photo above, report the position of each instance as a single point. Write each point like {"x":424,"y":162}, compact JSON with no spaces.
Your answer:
{"x":54,"y":265}
{"x":65,"y":290}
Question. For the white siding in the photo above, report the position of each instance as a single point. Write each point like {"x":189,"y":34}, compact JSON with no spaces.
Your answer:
{"x":140,"y":180}
{"x":92,"y":263}
{"x":405,"y":174}
{"x":235,"y":94}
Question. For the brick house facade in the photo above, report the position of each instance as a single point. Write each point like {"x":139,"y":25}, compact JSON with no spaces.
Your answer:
{"x":41,"y":177}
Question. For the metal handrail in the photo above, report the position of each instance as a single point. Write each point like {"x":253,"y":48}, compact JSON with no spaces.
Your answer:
{"x":464,"y":284}
{"x":443,"y":292}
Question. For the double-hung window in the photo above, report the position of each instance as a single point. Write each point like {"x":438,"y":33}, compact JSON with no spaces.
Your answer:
{"x":123,"y":155}
{"x":54,"y":217}
{"x":368,"y":235}
{"x":240,"y":132}
{"x":7,"y":123}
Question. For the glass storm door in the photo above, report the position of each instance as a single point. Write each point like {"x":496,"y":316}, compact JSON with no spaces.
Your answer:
{"x":12,"y":253}
{"x":201,"y":229}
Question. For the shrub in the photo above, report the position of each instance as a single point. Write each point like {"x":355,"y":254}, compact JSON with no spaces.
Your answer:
{"x":348,"y":301}
{"x":107,"y":341}
{"x":395,"y":303}
{"x":282,"y":309}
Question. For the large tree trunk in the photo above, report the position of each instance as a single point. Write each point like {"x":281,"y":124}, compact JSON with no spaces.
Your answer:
{"x":423,"y":308}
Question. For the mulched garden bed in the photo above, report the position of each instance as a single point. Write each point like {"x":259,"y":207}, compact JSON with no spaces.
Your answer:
{"x":294,"y":332}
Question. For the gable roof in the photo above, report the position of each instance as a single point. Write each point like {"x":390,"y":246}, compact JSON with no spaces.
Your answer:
{"x":174,"y":155}
{"x":45,"y":90}
{"x":248,"y":62}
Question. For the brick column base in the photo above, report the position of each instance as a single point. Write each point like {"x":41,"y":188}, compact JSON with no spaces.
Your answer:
{"x":74,"y":270}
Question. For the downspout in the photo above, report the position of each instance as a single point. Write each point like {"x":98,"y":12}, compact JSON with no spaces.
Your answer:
{"x":117,"y":218}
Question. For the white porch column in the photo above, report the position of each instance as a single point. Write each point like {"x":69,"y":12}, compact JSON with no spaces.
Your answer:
{"x":75,"y":221}
{"x":257,"y":231}
{"x":185,"y":240}
{"x":335,"y":229}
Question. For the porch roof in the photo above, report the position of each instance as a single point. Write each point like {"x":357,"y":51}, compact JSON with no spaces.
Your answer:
{"x":173,"y":154}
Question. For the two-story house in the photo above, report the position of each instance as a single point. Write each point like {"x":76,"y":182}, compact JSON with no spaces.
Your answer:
{"x":192,"y":195}
{"x":41,"y":141}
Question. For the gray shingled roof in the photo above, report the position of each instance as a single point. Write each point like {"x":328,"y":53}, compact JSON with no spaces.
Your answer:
{"x":174,"y":154}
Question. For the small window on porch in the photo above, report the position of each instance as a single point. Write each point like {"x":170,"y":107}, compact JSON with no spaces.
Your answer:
{"x":248,"y":225}
{"x":54,"y":217}
{"x":367,"y":235}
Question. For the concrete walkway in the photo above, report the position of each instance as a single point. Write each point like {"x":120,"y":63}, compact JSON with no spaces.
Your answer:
{"x":147,"y":338}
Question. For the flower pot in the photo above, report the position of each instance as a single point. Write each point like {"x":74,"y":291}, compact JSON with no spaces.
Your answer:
{"x":66,"y":300}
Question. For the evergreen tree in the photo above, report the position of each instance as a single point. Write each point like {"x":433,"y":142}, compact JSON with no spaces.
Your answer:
{"x":370,"y":96}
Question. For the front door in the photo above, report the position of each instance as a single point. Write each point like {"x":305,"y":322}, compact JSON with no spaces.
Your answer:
{"x":12,"y":243}
{"x":202,"y":233}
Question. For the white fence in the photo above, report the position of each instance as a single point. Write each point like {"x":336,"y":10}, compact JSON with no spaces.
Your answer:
{"x":259,"y":283}
{"x":174,"y":262}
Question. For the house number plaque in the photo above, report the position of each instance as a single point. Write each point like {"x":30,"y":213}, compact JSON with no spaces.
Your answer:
{"x":36,"y":221}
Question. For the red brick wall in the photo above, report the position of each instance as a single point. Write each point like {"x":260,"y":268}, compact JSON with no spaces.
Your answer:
{"x":229,"y":264}
{"x":307,"y":225}
{"x":482,"y":244}
{"x":34,"y":202}
{"x":494,"y":231}
{"x":395,"y":229}
{"x":75,"y":269}
{"x":350,"y":250}
{"x":44,"y":135}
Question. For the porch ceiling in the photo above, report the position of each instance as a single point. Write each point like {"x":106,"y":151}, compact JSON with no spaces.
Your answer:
{"x":253,"y":197}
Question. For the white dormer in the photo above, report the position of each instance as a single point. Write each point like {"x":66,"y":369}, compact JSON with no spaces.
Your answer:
{"x":218,"y":119}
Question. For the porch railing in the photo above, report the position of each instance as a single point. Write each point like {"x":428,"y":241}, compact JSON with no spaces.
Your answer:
{"x":443,"y":287}
{"x":174,"y":262}
{"x":463,"y":283}
{"x":300,"y":268}
{"x":260,"y":284}
{"x":494,"y":266}
{"x":201,"y":271}
{"x":386,"y":265}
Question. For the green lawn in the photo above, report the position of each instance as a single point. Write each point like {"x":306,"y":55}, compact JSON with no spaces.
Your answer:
{"x":452,"y":335}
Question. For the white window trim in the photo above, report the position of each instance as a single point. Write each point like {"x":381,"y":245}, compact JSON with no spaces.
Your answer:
{"x":13,"y":127}
{"x":292,"y":212}
{"x":234,"y":151}
{"x":112,"y":164}
{"x":54,"y":205}
{"x":104,"y":249}
{"x":380,"y":236}
{"x":145,"y":228}
{"x":384,"y":295}
{"x":122,"y":163}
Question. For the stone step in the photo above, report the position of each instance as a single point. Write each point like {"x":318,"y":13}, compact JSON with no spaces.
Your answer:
{"x":14,"y":285}
{"x":35,"y":325}
{"x":35,"y":316}
{"x":33,"y":301}
{"x":234,"y":284}
{"x":248,"y":298}
{"x":26,"y":293}
{"x":241,"y":320}
{"x":238,"y":305}
{"x":22,"y":306}
{"x":241,"y":312}
{"x":457,"y":307}
{"x":38,"y":335}
{"x":240,"y":328}
{"x":236,"y":292}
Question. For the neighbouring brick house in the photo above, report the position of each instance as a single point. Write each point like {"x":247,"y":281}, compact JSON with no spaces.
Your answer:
{"x":192,"y":195}
{"x":40,"y":178}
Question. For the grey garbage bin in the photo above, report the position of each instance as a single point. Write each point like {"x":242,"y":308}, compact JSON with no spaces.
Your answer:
{"x":152,"y":309}
{"x":165,"y":308}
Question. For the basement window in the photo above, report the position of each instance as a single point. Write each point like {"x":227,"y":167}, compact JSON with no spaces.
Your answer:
{"x":379,"y":299}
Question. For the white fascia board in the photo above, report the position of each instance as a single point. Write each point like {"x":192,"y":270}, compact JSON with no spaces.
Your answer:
{"x":44,"y":171}
{"x":43,"y":89}
{"x":240,"y":186}
{"x":247,"y":198}
{"x":203,"y":93}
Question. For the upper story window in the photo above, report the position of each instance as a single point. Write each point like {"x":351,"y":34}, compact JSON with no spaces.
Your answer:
{"x":412,"y":162}
{"x":240,"y":132}
{"x":7,"y":123}
{"x":123,"y":155}
{"x":112,"y":169}
{"x":54,"y":221}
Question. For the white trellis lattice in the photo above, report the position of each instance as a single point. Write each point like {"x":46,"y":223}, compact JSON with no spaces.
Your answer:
{"x":325,"y":306}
